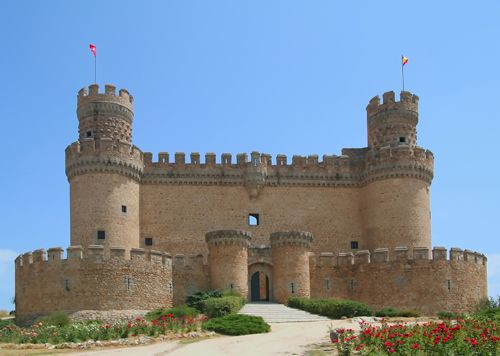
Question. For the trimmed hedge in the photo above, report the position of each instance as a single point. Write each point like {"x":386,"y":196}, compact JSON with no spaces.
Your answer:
{"x":217,"y":307}
{"x":182,"y":310}
{"x":238,"y":324}
{"x":391,"y":312}
{"x":332,"y":308}
{"x":196,"y":300}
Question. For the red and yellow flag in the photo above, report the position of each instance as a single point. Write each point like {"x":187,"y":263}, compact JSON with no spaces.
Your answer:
{"x":404,"y":60}
{"x":93,"y":49}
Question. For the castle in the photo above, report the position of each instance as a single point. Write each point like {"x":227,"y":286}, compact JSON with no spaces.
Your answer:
{"x":147,"y":233}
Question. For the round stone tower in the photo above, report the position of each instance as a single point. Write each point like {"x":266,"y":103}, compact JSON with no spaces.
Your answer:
{"x":228,"y":260}
{"x":395,"y":203}
{"x":104,"y":171}
{"x":290,"y":256}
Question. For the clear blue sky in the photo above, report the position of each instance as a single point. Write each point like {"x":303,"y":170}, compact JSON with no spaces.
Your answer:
{"x":290,"y":77}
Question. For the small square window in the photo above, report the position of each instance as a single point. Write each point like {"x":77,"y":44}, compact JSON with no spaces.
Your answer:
{"x":253,"y":219}
{"x":402,"y":139}
{"x":148,"y":241}
{"x":88,"y":133}
{"x":124,"y":208}
{"x":101,"y":235}
{"x":354,"y":245}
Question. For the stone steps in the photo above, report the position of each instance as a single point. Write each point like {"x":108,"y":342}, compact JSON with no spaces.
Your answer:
{"x":279,"y":313}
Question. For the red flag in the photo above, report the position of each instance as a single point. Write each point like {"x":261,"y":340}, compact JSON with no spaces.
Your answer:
{"x":93,"y":49}
{"x":404,"y":60}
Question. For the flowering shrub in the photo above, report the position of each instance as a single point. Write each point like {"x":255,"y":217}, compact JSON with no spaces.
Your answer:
{"x":82,"y":331}
{"x":179,"y":311}
{"x":463,"y":337}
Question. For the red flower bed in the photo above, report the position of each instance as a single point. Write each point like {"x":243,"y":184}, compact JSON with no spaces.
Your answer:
{"x":462,"y":337}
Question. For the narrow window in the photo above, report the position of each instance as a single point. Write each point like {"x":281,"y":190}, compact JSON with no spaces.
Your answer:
{"x":354,"y":245}
{"x":124,"y":208}
{"x":231,"y":286}
{"x":170,"y":287}
{"x":327,"y":284}
{"x":129,"y":282}
{"x":292,"y":288}
{"x":352,"y":284}
{"x":449,"y":284}
{"x":88,"y":133}
{"x":101,"y":234}
{"x":253,"y":219}
{"x":402,"y":139}
{"x":148,"y":241}
{"x":66,"y":285}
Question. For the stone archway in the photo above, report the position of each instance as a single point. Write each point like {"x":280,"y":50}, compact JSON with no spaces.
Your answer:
{"x":260,"y":282}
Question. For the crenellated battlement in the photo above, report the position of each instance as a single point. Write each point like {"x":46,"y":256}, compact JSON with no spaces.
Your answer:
{"x":191,"y":261}
{"x":92,"y":254}
{"x":354,"y":167}
{"x":109,"y":96}
{"x":400,"y":255}
{"x":407,"y":102}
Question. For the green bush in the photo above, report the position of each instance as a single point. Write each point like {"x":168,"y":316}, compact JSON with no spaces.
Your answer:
{"x":179,"y":311}
{"x":391,"y":312}
{"x":196,"y":300}
{"x":5,"y":322}
{"x":217,"y":307}
{"x":449,"y":315}
{"x":55,"y":319}
{"x":488,"y":309}
{"x":238,"y":324}
{"x":332,"y":308}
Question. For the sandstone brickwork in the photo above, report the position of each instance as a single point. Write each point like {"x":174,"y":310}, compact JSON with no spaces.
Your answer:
{"x":89,"y":279}
{"x":400,"y":279}
{"x":200,"y":210}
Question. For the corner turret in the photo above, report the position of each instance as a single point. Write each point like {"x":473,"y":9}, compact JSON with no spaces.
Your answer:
{"x":104,"y":171}
{"x":392,"y":123}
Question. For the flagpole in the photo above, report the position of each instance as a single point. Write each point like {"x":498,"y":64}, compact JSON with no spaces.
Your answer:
{"x":95,"y":69}
{"x":403,"y":72}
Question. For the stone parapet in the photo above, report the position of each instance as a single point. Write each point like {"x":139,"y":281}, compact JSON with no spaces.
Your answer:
{"x":93,"y":254}
{"x":354,"y":168}
{"x":228,"y":237}
{"x":399,"y":255}
{"x":300,"y":238}
{"x":123,"y":101}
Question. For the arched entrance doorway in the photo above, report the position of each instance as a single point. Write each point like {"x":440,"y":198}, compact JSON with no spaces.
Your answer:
{"x":260,"y":282}
{"x":259,"y":287}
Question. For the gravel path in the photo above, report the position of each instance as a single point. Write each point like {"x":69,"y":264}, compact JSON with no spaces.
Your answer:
{"x":284,"y":339}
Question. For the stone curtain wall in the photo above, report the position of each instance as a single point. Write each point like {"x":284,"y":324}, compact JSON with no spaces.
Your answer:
{"x":190,"y":275}
{"x":178,"y":216}
{"x":91,"y":281}
{"x":393,"y":278}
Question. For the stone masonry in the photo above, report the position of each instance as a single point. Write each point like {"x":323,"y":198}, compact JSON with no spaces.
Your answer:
{"x":146,"y":233}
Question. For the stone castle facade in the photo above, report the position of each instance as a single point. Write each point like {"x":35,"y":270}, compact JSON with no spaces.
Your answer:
{"x":146,"y":233}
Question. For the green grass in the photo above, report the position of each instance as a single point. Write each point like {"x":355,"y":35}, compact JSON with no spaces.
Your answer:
{"x":238,"y":324}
